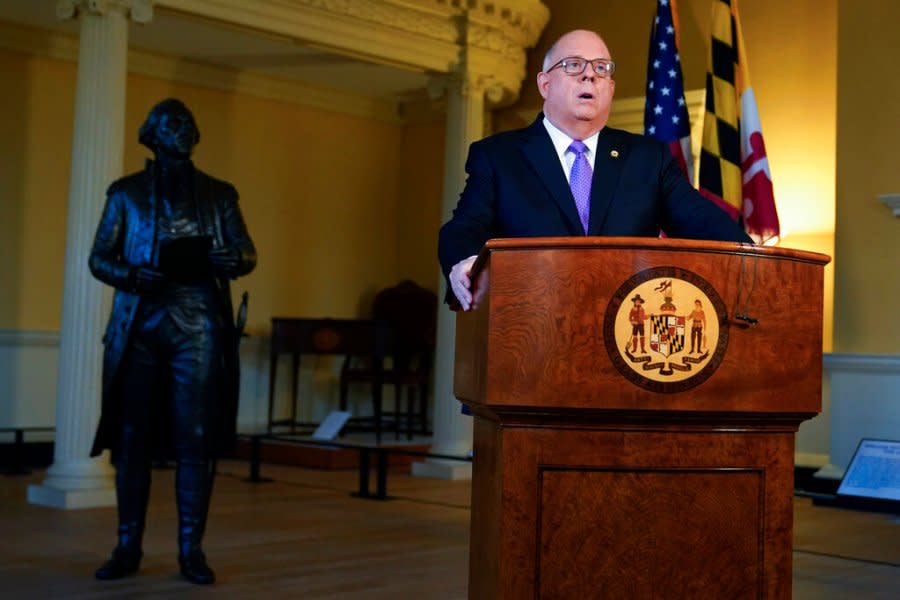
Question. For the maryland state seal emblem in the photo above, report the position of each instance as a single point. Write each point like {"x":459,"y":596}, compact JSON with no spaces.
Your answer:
{"x":666,"y":329}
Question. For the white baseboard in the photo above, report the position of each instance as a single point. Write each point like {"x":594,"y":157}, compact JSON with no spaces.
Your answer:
{"x":28,"y":367}
{"x":807,"y":459}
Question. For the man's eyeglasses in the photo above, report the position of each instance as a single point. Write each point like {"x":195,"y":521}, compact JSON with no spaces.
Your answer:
{"x":575,"y":65}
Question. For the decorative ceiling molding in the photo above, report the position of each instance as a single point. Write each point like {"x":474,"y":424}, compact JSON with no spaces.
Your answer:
{"x":475,"y":37}
{"x":375,"y":31}
{"x":481,"y":43}
{"x":58,"y":46}
{"x":140,"y":11}
{"x":522,"y":21}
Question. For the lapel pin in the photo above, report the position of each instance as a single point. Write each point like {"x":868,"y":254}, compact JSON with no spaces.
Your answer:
{"x":614,"y":153}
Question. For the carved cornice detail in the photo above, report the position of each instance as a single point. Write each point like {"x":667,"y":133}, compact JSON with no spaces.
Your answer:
{"x":140,"y":11}
{"x":520,"y":21}
{"x":488,"y":37}
{"x":399,"y":15}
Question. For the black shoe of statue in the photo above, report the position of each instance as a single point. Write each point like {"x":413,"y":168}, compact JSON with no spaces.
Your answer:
{"x":122,"y":563}
{"x":194,"y":568}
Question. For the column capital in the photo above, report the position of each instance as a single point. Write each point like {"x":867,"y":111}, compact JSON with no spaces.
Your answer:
{"x":467,"y":85}
{"x":494,"y":43}
{"x":140,"y":11}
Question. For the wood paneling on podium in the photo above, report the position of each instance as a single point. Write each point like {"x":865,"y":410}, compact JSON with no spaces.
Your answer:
{"x":611,"y":466}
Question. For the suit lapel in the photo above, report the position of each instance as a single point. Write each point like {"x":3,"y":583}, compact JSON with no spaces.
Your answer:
{"x":541,"y":155}
{"x":612,"y":151}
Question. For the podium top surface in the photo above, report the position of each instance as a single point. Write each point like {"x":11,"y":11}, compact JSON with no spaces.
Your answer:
{"x":642,"y":243}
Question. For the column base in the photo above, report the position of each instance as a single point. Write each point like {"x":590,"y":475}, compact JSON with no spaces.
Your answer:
{"x":84,"y":483}
{"x":45,"y":495}
{"x":450,"y":470}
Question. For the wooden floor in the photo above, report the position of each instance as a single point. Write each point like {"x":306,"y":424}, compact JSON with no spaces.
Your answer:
{"x":304,"y":536}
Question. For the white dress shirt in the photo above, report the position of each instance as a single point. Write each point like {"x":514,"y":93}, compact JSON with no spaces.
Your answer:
{"x":561,"y":143}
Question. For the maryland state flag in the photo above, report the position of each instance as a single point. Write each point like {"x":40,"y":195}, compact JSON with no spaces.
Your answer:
{"x":734,"y":169}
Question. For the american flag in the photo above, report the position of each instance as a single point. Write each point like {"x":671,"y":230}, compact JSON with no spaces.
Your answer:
{"x":665,"y":114}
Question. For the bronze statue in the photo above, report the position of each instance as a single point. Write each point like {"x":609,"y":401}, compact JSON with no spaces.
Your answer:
{"x":170,"y":239}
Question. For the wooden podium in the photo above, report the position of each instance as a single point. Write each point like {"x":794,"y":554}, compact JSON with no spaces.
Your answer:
{"x":635,"y":405}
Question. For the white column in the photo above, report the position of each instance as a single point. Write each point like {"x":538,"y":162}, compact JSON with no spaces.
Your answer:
{"x":74,"y":480}
{"x":452,"y":429}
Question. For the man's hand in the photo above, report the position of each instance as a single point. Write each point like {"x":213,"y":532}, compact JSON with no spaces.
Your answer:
{"x":225,"y":261}
{"x":461,"y":283}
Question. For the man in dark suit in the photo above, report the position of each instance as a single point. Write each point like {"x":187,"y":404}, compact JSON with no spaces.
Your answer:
{"x":621,"y":184}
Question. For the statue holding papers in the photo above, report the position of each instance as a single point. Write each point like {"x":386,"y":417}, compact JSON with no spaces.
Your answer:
{"x":170,"y":239}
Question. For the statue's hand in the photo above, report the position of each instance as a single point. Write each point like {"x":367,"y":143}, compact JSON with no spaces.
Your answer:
{"x":225,"y":261}
{"x":146,"y":280}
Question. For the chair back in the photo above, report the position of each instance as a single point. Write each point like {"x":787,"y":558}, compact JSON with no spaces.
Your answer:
{"x":411,"y":312}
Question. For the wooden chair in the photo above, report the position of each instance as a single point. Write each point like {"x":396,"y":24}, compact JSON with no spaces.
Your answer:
{"x":349,"y":337}
{"x":411,"y":313}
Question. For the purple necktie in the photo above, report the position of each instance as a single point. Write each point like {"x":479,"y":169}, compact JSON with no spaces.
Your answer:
{"x":580,"y":182}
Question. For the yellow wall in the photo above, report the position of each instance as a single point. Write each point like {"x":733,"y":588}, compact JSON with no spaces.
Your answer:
{"x":320,"y":191}
{"x":868,"y":158}
{"x":420,"y":185}
{"x":36,"y":109}
{"x":792,"y":53}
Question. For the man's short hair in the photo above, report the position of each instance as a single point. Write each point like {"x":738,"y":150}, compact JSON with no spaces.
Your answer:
{"x":548,"y":57}
{"x":147,"y":132}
